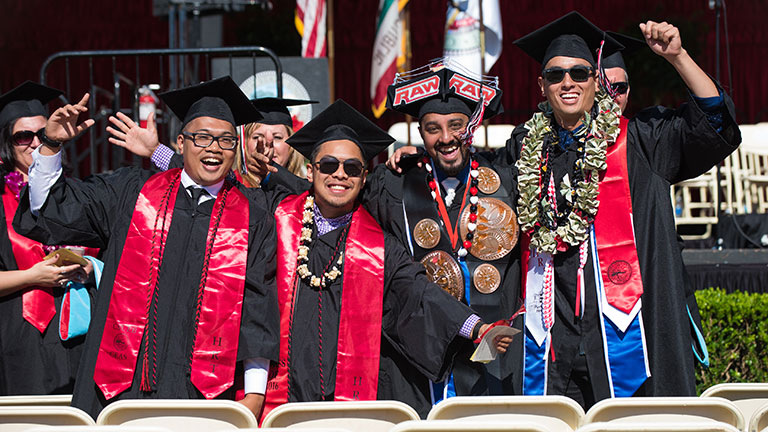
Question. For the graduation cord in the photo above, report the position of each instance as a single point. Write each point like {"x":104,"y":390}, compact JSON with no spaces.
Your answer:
{"x":338,"y":250}
{"x":145,"y":384}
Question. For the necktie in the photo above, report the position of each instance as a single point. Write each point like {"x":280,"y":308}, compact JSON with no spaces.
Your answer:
{"x":196,"y":192}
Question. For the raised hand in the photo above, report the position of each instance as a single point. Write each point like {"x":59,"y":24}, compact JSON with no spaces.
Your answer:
{"x":62,"y":124}
{"x":663,"y":38}
{"x":259,"y":164}
{"x":132,"y":137}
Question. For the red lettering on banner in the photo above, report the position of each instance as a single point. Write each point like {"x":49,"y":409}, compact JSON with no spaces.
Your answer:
{"x":417,"y":91}
{"x":470,"y":89}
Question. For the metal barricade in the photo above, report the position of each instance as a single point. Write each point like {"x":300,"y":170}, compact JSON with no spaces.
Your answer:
{"x":114,"y":77}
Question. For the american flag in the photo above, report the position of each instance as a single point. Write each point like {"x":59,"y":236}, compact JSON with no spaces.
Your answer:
{"x":310,"y":22}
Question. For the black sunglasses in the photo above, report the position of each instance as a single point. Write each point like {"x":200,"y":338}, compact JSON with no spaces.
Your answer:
{"x":329,"y":165}
{"x":620,"y":87}
{"x":25,"y":137}
{"x":578,"y":73}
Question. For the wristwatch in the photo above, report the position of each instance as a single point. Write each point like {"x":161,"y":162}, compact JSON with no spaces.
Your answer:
{"x":49,"y":142}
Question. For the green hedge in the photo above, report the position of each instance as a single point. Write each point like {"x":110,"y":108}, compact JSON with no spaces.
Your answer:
{"x":736,"y":331}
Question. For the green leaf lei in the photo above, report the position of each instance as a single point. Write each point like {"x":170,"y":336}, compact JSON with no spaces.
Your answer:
{"x":601,"y":133}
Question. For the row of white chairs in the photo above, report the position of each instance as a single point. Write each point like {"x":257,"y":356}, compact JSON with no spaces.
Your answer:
{"x":743,"y":185}
{"x":725,"y":407}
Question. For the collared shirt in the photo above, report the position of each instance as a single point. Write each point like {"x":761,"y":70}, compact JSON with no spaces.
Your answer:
{"x":213,"y":190}
{"x":325,"y":225}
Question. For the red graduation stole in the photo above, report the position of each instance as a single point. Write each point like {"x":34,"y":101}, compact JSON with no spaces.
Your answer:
{"x":357,"y":367}
{"x":36,"y":302}
{"x":614,"y":232}
{"x":220,"y":294}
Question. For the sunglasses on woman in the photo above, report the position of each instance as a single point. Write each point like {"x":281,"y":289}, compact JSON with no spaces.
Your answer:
{"x":329,"y":165}
{"x":25,"y":137}
{"x":578,"y":74}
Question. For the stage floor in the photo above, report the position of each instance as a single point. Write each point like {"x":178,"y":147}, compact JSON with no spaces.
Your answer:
{"x":729,"y":269}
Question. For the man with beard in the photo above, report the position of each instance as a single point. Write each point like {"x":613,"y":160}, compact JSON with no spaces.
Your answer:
{"x":604,"y":291}
{"x":452,"y":209}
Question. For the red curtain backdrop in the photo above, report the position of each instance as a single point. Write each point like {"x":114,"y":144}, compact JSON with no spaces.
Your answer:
{"x":31,"y":30}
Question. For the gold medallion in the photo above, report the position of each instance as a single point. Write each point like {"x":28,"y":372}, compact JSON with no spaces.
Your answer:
{"x":444,"y":271}
{"x":486,"y":278}
{"x":496,"y":229}
{"x":426,"y":233}
{"x":488,"y":180}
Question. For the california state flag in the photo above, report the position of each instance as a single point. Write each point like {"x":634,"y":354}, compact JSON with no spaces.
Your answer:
{"x":310,"y":22}
{"x":388,"y":51}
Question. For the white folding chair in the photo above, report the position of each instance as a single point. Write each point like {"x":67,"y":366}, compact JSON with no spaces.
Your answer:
{"x":666,"y":410}
{"x":555,"y":413}
{"x":695,"y":202}
{"x":23,"y":418}
{"x":759,"y":420}
{"x":179,"y":415}
{"x":99,"y":428}
{"x":754,"y":166}
{"x":47,"y":400}
{"x":749,"y":397}
{"x":368,"y":416}
{"x":457,"y":426}
{"x":658,"y":427}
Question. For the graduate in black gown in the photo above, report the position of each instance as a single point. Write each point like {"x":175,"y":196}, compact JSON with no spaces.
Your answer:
{"x":592,"y":184}
{"x":33,"y":358}
{"x":402,"y":201}
{"x":354,"y":276}
{"x":186,"y":324}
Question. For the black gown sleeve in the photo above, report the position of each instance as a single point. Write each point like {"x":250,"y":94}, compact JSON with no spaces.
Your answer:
{"x":420,"y":320}
{"x":79,"y":212}
{"x":177,"y":161}
{"x":680,"y":143}
{"x":260,"y":323}
{"x":286,"y":180}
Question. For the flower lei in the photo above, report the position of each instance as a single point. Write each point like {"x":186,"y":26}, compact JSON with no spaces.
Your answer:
{"x":302,"y":269}
{"x":535,"y":212}
{"x":14,"y":181}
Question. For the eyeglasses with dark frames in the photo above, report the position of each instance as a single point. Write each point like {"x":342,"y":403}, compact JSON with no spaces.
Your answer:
{"x":25,"y":137}
{"x":577,"y":73}
{"x":329,"y":165}
{"x":204,"y":140}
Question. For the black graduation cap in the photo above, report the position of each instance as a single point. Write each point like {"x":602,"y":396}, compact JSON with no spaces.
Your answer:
{"x":220,"y":98}
{"x":27,"y":100}
{"x":274,"y":111}
{"x":341,"y":122}
{"x":442,"y":91}
{"x":631,"y":45}
{"x":571,"y":35}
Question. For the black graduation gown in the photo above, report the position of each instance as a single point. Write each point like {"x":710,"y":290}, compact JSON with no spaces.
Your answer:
{"x":664,"y":146}
{"x":383,"y":197}
{"x":420,"y":324}
{"x":32,"y":363}
{"x":97,"y":212}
